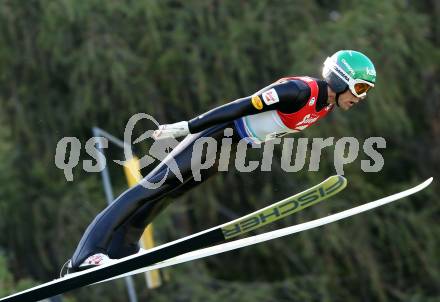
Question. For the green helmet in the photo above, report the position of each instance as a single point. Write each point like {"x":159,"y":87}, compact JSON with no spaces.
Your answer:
{"x":349,"y":69}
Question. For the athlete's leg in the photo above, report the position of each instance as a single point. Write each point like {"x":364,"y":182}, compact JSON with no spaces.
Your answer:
{"x":125,"y":239}
{"x":116,"y":230}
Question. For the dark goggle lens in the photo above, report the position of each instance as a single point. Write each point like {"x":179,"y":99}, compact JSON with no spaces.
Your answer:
{"x":361,"y":88}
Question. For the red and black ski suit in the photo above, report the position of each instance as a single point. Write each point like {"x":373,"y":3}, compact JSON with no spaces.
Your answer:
{"x":295,"y":101}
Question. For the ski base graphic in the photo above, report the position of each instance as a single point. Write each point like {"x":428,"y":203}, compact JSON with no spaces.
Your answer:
{"x":201,"y":244}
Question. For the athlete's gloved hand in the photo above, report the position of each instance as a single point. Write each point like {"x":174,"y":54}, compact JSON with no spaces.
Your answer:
{"x":171,"y":130}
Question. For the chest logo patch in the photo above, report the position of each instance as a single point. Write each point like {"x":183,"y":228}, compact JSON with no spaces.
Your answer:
{"x":256,"y":102}
{"x":270,"y":97}
{"x":308,"y":119}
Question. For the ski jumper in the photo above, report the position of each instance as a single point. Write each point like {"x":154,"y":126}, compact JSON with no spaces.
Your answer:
{"x":289,"y":105}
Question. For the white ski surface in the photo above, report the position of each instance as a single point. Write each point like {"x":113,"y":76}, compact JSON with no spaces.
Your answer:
{"x":233,"y":245}
{"x":169,"y":244}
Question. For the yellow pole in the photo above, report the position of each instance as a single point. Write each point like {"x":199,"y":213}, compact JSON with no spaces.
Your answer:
{"x":133,"y":175}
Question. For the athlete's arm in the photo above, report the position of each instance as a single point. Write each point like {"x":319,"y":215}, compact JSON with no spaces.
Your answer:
{"x":287,"y":97}
{"x":290,"y":96}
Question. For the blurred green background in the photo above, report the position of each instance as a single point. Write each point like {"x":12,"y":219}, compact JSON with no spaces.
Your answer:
{"x":67,"y":65}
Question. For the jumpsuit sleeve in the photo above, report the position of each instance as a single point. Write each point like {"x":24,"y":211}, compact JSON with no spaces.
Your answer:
{"x":287,"y":97}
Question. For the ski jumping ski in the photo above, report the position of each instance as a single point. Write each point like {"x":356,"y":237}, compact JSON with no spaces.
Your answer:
{"x":203,"y":244}
{"x":215,"y":235}
{"x":236,"y":244}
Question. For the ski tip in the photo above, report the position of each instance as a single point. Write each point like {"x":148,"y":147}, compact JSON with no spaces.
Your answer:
{"x":428,"y":181}
{"x":338,"y":179}
{"x":334,"y":184}
{"x":341,"y":177}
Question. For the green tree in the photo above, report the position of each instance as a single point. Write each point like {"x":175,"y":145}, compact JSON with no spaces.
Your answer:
{"x":67,"y":65}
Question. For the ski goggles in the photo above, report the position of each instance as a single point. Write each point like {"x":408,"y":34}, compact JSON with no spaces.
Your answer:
{"x":358,"y":87}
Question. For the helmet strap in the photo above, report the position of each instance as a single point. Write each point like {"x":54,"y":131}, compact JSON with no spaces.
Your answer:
{"x":337,"y":98}
{"x":338,"y":94}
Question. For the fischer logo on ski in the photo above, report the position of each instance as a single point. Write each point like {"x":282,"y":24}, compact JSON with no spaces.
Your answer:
{"x":285,"y":207}
{"x":209,"y":242}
